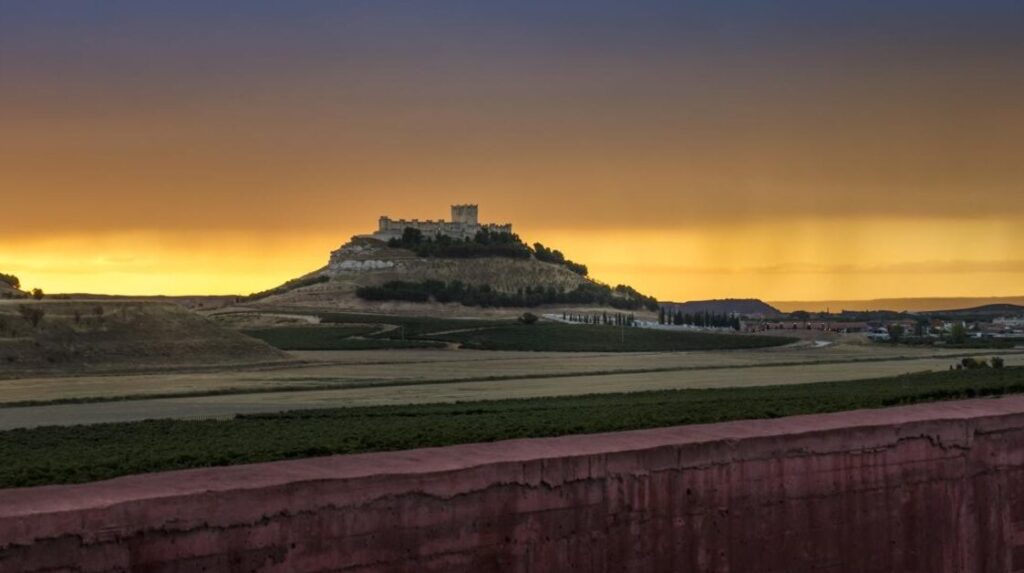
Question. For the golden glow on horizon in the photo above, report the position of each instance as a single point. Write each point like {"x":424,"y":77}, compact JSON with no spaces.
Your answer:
{"x":785,"y":260}
{"x":692,"y":149}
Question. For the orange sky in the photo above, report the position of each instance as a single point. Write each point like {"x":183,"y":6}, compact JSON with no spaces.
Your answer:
{"x":798,"y":151}
{"x":800,"y":260}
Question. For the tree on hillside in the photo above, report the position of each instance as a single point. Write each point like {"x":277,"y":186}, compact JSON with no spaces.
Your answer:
{"x":412,"y":236}
{"x":37,"y":293}
{"x":958,"y":335}
{"x":528,"y":318}
{"x":11,"y":280}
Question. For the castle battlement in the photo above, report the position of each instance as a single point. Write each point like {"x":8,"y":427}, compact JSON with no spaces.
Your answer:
{"x":464,"y":224}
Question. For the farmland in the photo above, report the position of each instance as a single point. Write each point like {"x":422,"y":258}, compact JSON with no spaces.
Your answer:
{"x":348,"y":337}
{"x":84,"y":453}
{"x":331,"y":379}
{"x":598,"y":338}
{"x":352,"y":331}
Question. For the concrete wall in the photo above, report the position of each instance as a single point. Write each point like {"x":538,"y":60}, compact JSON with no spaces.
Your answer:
{"x":931,"y":489}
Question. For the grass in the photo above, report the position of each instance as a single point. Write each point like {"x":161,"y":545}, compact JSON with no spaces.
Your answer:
{"x":410,"y":326}
{"x":586,"y":338}
{"x":310,"y":337}
{"x":294,"y":385}
{"x":51,"y":455}
{"x":345,"y":337}
{"x":477,"y":334}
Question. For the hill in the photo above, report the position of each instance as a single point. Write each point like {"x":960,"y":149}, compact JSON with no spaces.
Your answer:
{"x":65,"y":336}
{"x":8,"y":292}
{"x":983,"y":310}
{"x":10,"y":287}
{"x":740,"y":306}
{"x":371,"y":275}
{"x":932,"y":304}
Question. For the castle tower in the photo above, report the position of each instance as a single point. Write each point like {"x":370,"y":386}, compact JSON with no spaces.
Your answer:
{"x":466,"y":214}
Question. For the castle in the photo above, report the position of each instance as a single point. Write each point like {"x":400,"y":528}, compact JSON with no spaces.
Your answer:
{"x":464,"y":225}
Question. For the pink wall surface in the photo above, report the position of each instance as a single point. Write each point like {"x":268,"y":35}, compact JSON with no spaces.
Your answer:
{"x":932,"y":488}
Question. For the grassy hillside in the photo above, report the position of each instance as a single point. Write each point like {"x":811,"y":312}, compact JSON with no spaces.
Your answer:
{"x":84,"y":453}
{"x":99,"y":336}
{"x":369,"y":263}
{"x":7,"y":291}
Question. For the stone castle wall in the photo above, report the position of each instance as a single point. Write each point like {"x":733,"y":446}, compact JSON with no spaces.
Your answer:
{"x":463,"y":225}
{"x":936,"y":488}
{"x":393,"y":228}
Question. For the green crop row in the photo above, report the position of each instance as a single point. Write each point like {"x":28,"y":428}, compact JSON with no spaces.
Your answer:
{"x":50,"y":455}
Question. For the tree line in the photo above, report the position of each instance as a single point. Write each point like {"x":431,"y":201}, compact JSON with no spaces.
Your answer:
{"x":11,"y":280}
{"x":701,"y":319}
{"x":555,"y":256}
{"x":617,"y":319}
{"x":486,"y":296}
{"x":485,"y":243}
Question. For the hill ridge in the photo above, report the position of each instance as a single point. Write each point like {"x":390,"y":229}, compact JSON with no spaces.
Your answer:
{"x":497,"y":268}
{"x":740,"y":306}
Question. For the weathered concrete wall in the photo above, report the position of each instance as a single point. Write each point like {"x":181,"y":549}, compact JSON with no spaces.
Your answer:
{"x":931,"y":489}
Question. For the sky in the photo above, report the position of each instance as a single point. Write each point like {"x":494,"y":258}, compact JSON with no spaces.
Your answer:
{"x":786,"y":150}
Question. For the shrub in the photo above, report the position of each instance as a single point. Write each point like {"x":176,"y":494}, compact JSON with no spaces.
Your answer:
{"x":528,"y":318}
{"x":958,"y":334}
{"x":32,"y":314}
{"x":622,"y":297}
{"x":973,"y":363}
{"x":11,"y":280}
{"x":895,"y":332}
{"x":997,"y":362}
{"x":37,"y":293}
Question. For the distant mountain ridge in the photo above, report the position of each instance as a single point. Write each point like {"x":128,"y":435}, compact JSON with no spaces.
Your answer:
{"x":740,"y":306}
{"x":898,"y":304}
{"x":987,"y":309}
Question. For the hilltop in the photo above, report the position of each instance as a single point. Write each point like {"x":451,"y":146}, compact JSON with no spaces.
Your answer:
{"x":461,"y":268}
{"x":10,"y":287}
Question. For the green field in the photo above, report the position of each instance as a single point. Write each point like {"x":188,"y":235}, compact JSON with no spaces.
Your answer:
{"x":385,"y":331}
{"x":594,"y":338}
{"x":409,"y":326}
{"x":310,"y":337}
{"x":84,"y":453}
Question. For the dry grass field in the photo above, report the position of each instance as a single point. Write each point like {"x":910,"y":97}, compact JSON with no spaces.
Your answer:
{"x":74,"y":337}
{"x":351,"y":378}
